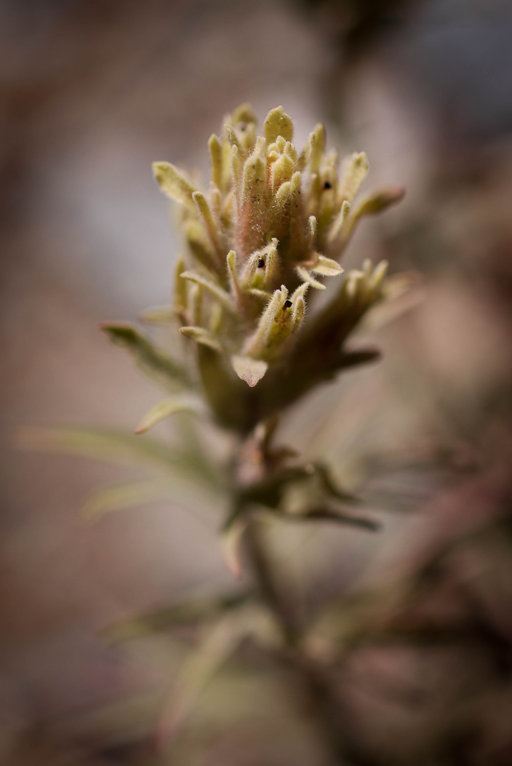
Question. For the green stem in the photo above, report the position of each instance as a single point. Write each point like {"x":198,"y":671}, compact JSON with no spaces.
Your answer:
{"x":313,"y":678}
{"x":271,"y":591}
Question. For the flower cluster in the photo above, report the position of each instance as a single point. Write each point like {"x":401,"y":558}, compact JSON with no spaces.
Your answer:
{"x":272,"y":224}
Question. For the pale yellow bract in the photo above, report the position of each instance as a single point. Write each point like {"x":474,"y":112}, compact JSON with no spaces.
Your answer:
{"x":272,"y":224}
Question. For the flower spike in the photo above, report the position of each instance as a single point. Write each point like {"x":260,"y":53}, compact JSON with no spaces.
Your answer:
{"x":273,"y":222}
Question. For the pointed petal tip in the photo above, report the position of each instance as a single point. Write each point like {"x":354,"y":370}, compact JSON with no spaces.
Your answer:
{"x":250,"y":370}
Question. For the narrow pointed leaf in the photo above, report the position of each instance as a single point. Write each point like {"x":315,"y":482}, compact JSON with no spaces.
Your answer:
{"x":331,"y":515}
{"x":115,"y":446}
{"x":145,"y":352}
{"x":189,"y":611}
{"x":123,"y":496}
{"x":165,"y":409}
{"x":221,"y":641}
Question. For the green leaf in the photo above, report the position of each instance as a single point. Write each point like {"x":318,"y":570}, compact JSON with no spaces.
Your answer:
{"x":116,"y":446}
{"x":189,"y":611}
{"x":119,"y":447}
{"x":123,"y":496}
{"x":151,"y":359}
{"x":329,"y":514}
{"x":168,"y":407}
{"x":221,"y":640}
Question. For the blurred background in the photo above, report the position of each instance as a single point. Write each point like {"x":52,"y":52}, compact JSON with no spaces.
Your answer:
{"x":92,"y":93}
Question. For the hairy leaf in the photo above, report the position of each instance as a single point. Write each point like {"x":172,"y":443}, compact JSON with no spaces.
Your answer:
{"x":151,"y":359}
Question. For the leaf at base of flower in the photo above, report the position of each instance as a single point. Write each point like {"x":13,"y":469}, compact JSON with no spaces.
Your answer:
{"x":151,"y":358}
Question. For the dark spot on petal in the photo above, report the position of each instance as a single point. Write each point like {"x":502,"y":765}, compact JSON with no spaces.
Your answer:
{"x":327,"y":185}
{"x":287,"y":304}
{"x":261,"y":263}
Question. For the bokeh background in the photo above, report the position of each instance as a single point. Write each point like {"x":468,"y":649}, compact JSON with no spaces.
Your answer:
{"x":92,"y":92}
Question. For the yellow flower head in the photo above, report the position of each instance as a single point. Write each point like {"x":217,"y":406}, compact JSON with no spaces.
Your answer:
{"x":271,"y":227}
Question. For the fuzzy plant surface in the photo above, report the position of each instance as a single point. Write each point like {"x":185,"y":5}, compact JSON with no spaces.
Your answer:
{"x":262,"y":242}
{"x":266,"y":313}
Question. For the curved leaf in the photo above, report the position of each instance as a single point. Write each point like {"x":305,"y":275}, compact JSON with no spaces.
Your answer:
{"x":168,"y":407}
{"x":151,"y":358}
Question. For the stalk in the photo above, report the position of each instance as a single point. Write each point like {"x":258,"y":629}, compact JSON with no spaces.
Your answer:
{"x":312,"y":677}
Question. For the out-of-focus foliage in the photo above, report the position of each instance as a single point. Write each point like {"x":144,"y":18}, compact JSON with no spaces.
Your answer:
{"x":410,"y":625}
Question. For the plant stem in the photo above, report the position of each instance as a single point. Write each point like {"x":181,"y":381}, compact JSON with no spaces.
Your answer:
{"x":270,"y":589}
{"x":312,"y":677}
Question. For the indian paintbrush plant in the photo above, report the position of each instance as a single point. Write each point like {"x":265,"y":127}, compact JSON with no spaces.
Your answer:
{"x":260,"y":331}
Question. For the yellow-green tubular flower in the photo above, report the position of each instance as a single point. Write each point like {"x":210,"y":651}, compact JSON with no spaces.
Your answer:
{"x":272,"y":225}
